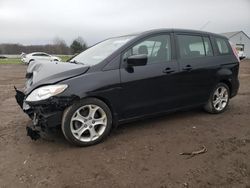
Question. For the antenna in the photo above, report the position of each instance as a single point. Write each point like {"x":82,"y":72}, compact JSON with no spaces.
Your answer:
{"x":205,"y":25}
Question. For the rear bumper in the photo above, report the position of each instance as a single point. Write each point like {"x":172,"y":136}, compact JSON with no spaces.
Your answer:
{"x":47,"y":113}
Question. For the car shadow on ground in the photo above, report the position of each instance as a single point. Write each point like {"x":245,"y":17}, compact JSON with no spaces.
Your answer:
{"x":159,"y":120}
{"x":55,"y":136}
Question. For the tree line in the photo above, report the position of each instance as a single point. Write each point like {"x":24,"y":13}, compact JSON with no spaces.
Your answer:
{"x":58,"y":46}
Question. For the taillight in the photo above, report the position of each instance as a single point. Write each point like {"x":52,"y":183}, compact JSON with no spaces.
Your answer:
{"x":235,"y":51}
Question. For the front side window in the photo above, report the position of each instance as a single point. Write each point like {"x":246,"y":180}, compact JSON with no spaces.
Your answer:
{"x":100,"y":51}
{"x":222,"y":46}
{"x":190,"y":46}
{"x":157,"y":49}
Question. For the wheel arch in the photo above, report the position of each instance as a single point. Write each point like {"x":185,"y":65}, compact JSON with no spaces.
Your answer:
{"x":31,"y":60}
{"x":110,"y":106}
{"x":225,"y":76}
{"x":228,"y":83}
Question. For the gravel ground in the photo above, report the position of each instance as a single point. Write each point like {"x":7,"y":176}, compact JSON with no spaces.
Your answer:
{"x":140,"y":154}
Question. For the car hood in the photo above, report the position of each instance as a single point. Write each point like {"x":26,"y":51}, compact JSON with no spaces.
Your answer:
{"x":46,"y":72}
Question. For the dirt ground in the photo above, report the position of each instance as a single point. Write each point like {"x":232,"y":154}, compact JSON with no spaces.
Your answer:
{"x":139,"y":154}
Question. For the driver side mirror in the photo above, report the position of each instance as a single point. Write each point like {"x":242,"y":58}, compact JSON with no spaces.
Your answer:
{"x":137,"y":60}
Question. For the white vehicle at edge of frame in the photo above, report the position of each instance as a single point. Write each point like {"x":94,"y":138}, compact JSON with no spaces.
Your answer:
{"x":41,"y":56}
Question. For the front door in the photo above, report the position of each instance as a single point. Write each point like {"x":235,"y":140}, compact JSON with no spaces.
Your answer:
{"x":150,"y":88}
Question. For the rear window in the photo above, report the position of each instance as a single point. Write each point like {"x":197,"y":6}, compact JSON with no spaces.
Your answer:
{"x":222,"y":45}
{"x":191,"y":46}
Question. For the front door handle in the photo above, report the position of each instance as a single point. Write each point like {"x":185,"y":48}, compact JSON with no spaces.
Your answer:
{"x":168,"y":70}
{"x":188,"y":68}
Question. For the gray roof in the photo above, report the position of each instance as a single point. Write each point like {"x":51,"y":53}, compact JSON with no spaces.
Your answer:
{"x":156,"y":31}
{"x":231,"y":34}
{"x":180,"y":30}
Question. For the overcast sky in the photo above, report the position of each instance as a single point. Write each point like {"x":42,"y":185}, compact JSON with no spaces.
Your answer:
{"x":40,"y":21}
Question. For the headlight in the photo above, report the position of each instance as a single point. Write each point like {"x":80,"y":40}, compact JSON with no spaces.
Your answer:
{"x":45,"y":92}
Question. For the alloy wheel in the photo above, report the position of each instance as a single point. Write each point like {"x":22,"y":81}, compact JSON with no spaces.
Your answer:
{"x":220,"y":98}
{"x":88,"y":123}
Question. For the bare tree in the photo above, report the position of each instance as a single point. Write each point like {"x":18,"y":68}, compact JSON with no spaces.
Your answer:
{"x":61,"y":46}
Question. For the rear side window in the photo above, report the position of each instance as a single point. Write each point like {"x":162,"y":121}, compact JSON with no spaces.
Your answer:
{"x":222,"y":46}
{"x":46,"y":55}
{"x":41,"y":54}
{"x":191,"y":46}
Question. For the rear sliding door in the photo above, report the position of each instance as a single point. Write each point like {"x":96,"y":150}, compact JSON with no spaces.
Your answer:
{"x":197,"y":67}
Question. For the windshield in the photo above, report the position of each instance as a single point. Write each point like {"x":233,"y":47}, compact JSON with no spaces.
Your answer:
{"x":100,"y":51}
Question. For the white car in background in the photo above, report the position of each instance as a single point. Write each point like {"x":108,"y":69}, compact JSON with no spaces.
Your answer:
{"x":40,"y":56}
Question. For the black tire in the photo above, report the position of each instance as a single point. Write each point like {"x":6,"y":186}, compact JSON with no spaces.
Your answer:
{"x":69,"y":112}
{"x":209,"y":107}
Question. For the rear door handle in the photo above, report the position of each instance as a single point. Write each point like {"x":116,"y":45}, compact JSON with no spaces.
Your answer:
{"x":168,"y":70}
{"x":187,"y":68}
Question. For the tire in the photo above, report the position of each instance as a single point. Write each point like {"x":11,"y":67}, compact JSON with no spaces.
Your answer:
{"x":86,"y":122}
{"x":218,"y":100}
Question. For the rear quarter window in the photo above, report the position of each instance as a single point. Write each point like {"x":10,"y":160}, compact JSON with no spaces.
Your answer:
{"x":222,"y":46}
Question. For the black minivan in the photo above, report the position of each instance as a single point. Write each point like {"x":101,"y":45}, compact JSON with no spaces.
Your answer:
{"x":130,"y":77}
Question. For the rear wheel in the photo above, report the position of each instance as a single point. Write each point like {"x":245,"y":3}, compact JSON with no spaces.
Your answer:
{"x":87,"y":122}
{"x":218,"y":100}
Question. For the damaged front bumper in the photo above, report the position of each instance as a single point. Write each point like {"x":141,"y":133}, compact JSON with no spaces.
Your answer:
{"x":47,"y":113}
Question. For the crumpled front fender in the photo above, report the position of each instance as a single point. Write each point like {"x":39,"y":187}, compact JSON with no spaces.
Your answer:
{"x":47,"y":113}
{"x":19,"y":97}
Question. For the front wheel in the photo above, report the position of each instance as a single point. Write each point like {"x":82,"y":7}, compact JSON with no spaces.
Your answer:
{"x":218,"y":100}
{"x":87,"y":122}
